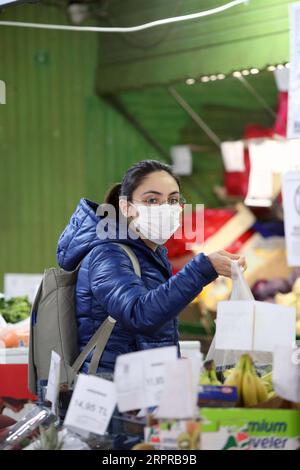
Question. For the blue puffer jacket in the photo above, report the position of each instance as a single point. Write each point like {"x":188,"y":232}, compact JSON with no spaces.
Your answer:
{"x":145,"y":308}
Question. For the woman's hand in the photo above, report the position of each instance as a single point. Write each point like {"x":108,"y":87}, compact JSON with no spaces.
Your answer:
{"x":221,"y":261}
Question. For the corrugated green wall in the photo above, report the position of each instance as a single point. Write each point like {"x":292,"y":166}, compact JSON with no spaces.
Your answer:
{"x":251,"y":35}
{"x":58,"y":140}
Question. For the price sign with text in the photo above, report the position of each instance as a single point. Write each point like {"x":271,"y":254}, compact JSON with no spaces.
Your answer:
{"x":92,"y":404}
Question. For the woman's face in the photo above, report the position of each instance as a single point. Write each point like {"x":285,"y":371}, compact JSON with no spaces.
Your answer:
{"x":157,"y":188}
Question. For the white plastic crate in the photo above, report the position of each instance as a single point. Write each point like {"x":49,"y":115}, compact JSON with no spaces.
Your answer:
{"x":13,"y":355}
{"x":189,"y":348}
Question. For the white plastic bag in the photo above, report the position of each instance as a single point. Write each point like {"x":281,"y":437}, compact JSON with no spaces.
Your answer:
{"x":228,"y":358}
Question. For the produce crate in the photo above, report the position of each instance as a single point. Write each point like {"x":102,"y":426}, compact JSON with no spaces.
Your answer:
{"x":191,"y":331}
{"x":13,"y":355}
{"x":127,"y":424}
{"x":250,"y":429}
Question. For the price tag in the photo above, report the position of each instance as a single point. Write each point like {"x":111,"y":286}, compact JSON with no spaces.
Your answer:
{"x":140,"y":376}
{"x":53,"y":380}
{"x":235,"y":320}
{"x":294,"y":85}
{"x":286,"y":373}
{"x":291,"y":208}
{"x":92,"y":404}
{"x":182,"y":404}
{"x":233,"y":155}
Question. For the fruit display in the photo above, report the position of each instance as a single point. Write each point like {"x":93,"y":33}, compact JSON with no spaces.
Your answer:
{"x":11,"y":337}
{"x":252,"y":389}
{"x":15,"y":330}
{"x":266,"y":290}
{"x":15,"y":309}
{"x":209,"y":375}
{"x":49,"y":439}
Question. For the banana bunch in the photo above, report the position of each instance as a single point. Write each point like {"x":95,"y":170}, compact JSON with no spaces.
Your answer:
{"x":209,"y":376}
{"x":267,"y":381}
{"x":251,"y":388}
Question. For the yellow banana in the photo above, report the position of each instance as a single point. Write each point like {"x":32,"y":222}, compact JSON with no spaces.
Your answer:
{"x":204,"y":378}
{"x":268,"y":386}
{"x":249,"y":393}
{"x":268,"y":378}
{"x":271,"y":395}
{"x":235,"y":377}
{"x":227,"y":373}
{"x":261,"y":390}
{"x":213,"y":377}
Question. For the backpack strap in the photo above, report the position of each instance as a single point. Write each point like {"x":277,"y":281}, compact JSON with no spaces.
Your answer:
{"x":32,"y":372}
{"x":102,"y":335}
{"x":99,"y":338}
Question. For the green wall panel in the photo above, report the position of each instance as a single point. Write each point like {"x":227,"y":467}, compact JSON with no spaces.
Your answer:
{"x":58,"y":140}
{"x":252,"y":35}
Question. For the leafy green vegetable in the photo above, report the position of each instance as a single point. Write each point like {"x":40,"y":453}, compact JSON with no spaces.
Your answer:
{"x":15,"y":309}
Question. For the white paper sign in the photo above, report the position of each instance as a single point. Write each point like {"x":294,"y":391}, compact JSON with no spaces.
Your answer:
{"x":294,"y":84}
{"x":139,"y":377}
{"x":291,"y":209}
{"x":274,"y":325}
{"x":233,"y":155}
{"x":53,"y":380}
{"x":286,"y":373}
{"x":182,"y":159}
{"x":16,"y":285}
{"x":260,"y":188}
{"x":179,"y":395}
{"x":282,"y":77}
{"x":92,"y":404}
{"x":254,"y":326}
{"x":234,"y":325}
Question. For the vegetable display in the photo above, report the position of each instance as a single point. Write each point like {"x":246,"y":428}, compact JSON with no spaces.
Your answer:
{"x":15,"y":309}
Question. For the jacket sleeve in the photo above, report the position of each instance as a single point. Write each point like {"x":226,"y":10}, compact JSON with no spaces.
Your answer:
{"x":126,"y":298}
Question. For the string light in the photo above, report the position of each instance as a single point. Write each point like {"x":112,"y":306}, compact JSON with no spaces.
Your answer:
{"x":241,"y":73}
{"x":190,"y":81}
{"x":130,"y":29}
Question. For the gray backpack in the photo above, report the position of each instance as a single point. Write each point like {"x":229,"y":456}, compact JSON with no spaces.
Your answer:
{"x":53,"y":327}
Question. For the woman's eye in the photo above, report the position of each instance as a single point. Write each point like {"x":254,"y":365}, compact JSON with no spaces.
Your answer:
{"x":173,"y":201}
{"x":152,"y":200}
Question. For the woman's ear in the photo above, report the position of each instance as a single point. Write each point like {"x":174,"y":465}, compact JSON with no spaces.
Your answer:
{"x":127,"y":209}
{"x":124,"y":207}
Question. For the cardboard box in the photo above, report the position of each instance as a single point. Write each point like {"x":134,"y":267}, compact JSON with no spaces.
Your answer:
{"x":250,"y":429}
{"x":217,"y":396}
{"x":174,"y":435}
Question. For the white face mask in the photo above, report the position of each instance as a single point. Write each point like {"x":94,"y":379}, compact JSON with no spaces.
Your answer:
{"x":157,"y":223}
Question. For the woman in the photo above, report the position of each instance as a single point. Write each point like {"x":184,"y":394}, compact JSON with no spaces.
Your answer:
{"x":146,"y":308}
